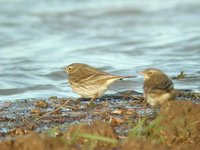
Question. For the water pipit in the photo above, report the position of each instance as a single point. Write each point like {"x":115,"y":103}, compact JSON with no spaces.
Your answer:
{"x":88,"y":81}
{"x":158,"y":88}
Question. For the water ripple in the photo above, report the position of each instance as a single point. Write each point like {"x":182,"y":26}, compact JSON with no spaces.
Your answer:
{"x":121,"y":37}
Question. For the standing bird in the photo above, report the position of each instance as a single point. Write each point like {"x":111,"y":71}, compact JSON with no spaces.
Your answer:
{"x":158,"y":88}
{"x":88,"y":81}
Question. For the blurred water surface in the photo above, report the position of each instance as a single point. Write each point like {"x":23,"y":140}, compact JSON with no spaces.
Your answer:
{"x":39,"y":37}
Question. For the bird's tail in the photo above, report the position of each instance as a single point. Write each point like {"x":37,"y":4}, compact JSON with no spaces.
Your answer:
{"x":114,"y":77}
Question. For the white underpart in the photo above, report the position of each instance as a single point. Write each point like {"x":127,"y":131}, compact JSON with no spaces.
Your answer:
{"x":154,"y":99}
{"x":93,"y":90}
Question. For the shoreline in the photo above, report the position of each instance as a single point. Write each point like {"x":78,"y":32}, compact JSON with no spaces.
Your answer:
{"x":56,"y":117}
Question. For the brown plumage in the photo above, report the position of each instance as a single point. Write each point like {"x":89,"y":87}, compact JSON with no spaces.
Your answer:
{"x":88,"y":81}
{"x":158,"y":88}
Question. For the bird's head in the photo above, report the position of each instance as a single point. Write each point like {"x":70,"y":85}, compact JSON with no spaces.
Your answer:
{"x":151,"y":72}
{"x":73,"y":68}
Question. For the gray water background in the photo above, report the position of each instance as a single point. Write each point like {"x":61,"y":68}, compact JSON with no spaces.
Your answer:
{"x":122,"y":37}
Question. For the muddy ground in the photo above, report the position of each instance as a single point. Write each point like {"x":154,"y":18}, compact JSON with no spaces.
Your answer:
{"x":120,"y":121}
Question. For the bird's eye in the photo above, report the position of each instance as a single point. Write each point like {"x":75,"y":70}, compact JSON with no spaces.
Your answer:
{"x":149,"y":73}
{"x":69,"y":68}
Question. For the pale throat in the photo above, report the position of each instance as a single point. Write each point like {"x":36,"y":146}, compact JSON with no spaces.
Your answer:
{"x":146,"y":77}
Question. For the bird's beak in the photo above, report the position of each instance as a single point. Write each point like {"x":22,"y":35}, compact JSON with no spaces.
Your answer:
{"x":141,"y":72}
{"x":63,"y":68}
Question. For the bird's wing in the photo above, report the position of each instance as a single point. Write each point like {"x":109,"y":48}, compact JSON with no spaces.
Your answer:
{"x":163,"y":83}
{"x":84,"y":73}
{"x":96,"y":77}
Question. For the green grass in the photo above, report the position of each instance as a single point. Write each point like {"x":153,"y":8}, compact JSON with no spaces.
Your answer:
{"x":91,"y":140}
{"x":137,"y":130}
{"x":147,"y":131}
{"x":94,"y":137}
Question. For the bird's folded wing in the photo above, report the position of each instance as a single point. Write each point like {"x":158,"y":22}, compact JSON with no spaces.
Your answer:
{"x":95,"y":77}
{"x":165,"y":84}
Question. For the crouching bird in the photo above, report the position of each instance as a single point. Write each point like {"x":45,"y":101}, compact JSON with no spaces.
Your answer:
{"x":158,"y":87}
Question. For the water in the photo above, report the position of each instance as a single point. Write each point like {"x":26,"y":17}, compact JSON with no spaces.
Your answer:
{"x":39,"y":37}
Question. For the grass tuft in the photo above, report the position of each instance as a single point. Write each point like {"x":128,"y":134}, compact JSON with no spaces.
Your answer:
{"x":147,"y":131}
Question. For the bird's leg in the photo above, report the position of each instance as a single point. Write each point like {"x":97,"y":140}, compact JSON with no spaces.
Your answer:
{"x":92,"y":99}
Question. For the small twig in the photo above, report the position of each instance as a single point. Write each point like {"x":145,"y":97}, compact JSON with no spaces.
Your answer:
{"x":71,"y":107}
{"x":53,"y":110}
